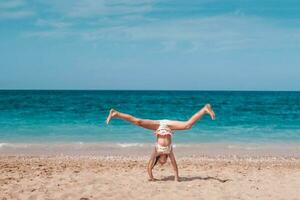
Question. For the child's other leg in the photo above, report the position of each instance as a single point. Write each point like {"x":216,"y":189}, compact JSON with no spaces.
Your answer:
{"x":145,"y":123}
{"x":183,"y":125}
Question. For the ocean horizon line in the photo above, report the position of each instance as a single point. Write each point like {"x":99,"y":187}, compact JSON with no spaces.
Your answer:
{"x":151,"y":90}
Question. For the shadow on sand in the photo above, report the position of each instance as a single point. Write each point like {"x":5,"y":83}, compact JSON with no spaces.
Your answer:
{"x":182,"y":179}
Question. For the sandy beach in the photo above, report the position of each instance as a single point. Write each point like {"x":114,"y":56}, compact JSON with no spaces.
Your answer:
{"x":120,"y":177}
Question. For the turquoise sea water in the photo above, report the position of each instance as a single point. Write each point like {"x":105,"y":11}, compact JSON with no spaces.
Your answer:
{"x":79,"y":116}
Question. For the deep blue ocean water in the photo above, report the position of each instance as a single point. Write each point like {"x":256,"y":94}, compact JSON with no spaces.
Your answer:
{"x":79,"y":116}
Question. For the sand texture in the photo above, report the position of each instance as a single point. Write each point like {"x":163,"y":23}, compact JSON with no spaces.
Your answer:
{"x":83,"y":177}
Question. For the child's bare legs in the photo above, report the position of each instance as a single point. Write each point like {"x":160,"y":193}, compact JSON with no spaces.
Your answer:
{"x":183,"y":125}
{"x":174,"y":164}
{"x":145,"y":123}
{"x":154,"y":124}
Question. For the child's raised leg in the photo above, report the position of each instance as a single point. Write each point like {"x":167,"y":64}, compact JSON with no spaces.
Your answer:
{"x":145,"y":123}
{"x":183,"y":125}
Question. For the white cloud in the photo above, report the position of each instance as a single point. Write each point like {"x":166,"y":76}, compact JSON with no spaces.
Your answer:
{"x":14,"y":9}
{"x":126,"y":21}
{"x":49,"y":34}
{"x":55,"y":24}
{"x":92,"y":8}
{"x":217,"y":33}
{"x":11,"y":4}
{"x":16,"y":14}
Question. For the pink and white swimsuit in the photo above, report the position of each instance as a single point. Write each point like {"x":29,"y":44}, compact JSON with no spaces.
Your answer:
{"x":163,"y":130}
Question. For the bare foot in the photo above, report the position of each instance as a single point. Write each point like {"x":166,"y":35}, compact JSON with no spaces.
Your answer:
{"x":210,"y":111}
{"x":176,"y":179}
{"x":112,"y":113}
{"x":152,"y":179}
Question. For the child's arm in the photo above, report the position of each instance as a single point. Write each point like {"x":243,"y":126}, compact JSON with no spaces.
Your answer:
{"x":151,"y":165}
{"x":174,"y":164}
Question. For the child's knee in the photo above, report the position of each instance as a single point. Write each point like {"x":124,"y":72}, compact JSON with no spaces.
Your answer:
{"x":187,"y":125}
{"x":138,"y":122}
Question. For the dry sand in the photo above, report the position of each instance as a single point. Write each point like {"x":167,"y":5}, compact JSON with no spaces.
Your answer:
{"x":113,"y":177}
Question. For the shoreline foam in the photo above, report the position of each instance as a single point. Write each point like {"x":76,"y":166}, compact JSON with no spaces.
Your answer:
{"x":144,"y":149}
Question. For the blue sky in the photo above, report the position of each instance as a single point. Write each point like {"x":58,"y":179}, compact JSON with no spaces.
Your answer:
{"x":147,"y":44}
